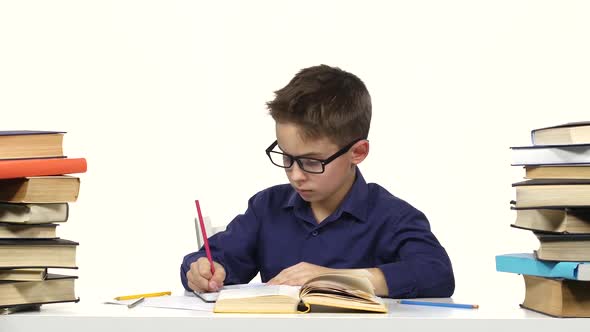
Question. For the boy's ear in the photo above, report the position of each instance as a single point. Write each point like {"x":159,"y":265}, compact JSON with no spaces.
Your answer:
{"x":360,"y":151}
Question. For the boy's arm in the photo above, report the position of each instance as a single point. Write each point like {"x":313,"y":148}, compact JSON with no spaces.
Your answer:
{"x":234,"y":249}
{"x":418,"y":265}
{"x":413,"y":263}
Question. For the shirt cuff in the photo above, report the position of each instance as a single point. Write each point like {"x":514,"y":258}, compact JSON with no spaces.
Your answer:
{"x":425,"y":278}
{"x":401,"y":280}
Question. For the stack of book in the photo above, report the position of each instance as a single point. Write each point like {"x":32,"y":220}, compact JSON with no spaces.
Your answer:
{"x":34,"y":194}
{"x":554,"y":203}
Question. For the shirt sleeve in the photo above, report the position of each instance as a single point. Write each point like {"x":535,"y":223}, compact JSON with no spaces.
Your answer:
{"x":234,"y":249}
{"x":416,"y":264}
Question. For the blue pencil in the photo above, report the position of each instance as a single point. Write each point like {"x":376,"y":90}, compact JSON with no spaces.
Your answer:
{"x":440,"y":304}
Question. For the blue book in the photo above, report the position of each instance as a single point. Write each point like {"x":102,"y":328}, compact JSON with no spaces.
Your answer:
{"x":528,"y":264}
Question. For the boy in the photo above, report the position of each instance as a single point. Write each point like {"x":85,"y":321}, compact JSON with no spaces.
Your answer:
{"x":328,"y":218}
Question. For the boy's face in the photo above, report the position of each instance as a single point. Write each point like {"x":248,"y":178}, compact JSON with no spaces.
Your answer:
{"x":315,"y":187}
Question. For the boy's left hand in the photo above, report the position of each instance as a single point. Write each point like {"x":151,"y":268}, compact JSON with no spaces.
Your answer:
{"x":298,"y":274}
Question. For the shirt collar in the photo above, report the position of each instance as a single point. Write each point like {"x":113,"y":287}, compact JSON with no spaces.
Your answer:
{"x":355,"y":202}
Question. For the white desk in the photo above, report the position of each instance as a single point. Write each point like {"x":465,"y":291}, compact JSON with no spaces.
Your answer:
{"x":94,"y":316}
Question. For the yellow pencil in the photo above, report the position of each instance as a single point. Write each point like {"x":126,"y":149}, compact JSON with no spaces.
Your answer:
{"x":137,"y":296}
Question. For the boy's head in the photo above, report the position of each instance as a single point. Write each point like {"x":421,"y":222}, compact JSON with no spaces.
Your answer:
{"x":322,"y":120}
{"x":324,"y":102}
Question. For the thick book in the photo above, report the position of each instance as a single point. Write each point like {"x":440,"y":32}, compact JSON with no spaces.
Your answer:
{"x":328,"y":292}
{"x":32,"y":213}
{"x":563,"y":247}
{"x":568,"y":133}
{"x":555,"y":220}
{"x":33,"y":274}
{"x":552,"y":193}
{"x":527,"y":263}
{"x":24,"y":231}
{"x":557,"y":297}
{"x":23,"y":144}
{"x":550,"y":155}
{"x":57,"y":253}
{"x":40,"y":189}
{"x":54,"y":289}
{"x":558,"y":172}
{"x":11,"y":169}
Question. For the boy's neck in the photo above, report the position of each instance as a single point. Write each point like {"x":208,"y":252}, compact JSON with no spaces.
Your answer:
{"x":322,"y":209}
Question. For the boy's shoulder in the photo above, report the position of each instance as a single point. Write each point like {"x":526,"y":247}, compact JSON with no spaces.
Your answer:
{"x":392,"y":212}
{"x":380,"y":199}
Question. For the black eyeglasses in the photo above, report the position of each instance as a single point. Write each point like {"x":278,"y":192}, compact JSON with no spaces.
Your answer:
{"x":310,"y":165}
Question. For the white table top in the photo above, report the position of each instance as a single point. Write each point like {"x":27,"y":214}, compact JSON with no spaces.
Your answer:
{"x":95,"y":316}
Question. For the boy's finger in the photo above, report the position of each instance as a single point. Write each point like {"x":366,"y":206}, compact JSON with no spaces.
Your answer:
{"x":218,"y":278}
{"x":219,"y":275}
{"x":196,"y":282}
{"x":213,"y":286}
{"x":278,"y":279}
{"x":194,"y":274}
{"x":204,"y":268}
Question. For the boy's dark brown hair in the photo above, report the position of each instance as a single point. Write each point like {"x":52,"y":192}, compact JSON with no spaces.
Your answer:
{"x":326,"y":102}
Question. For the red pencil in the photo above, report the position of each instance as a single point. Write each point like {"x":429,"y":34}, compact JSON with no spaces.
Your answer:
{"x":205,"y":240}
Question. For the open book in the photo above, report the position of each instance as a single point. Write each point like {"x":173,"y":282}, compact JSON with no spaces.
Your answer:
{"x":328,"y":292}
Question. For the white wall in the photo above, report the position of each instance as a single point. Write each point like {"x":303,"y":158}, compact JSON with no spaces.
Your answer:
{"x":166,"y":101}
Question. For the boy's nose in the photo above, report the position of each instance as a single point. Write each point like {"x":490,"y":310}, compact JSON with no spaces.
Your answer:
{"x":296,"y":173}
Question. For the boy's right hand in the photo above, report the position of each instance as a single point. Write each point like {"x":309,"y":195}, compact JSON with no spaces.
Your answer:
{"x":200,"y":278}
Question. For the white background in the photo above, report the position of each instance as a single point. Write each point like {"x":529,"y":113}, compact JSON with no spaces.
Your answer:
{"x":165,"y":99}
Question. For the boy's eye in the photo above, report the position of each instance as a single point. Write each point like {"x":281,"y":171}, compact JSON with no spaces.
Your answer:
{"x":287,"y":160}
{"x":311,"y":164}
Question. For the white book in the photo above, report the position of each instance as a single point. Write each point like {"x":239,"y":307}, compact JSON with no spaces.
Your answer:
{"x":551,"y":154}
{"x":33,"y":213}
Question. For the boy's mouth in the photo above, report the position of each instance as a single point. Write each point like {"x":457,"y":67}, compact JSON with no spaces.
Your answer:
{"x":303,"y":192}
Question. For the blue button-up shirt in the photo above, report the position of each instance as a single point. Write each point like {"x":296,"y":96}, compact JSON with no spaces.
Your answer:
{"x":370,"y":228}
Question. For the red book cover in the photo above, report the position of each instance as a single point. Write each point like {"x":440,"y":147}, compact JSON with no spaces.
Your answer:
{"x":11,"y":169}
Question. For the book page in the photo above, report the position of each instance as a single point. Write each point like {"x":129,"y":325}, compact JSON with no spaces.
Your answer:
{"x":343,"y":291}
{"x":258,"y":291}
{"x":213,"y":296}
{"x":584,"y":271}
{"x":340,"y":281}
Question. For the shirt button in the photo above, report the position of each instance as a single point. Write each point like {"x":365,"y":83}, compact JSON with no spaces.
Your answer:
{"x":315,"y":233}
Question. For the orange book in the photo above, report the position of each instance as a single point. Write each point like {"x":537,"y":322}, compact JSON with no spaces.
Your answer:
{"x":11,"y":169}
